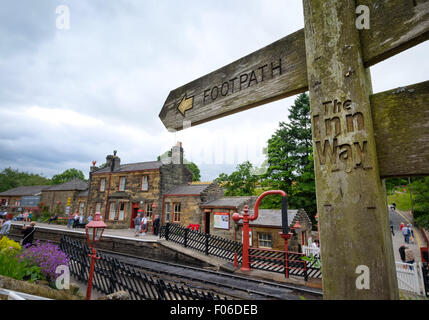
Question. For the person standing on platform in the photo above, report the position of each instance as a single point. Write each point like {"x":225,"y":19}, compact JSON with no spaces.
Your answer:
{"x":156,"y":225}
{"x":137,"y":224}
{"x":144,"y":224}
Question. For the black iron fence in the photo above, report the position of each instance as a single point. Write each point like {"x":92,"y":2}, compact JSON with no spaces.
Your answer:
{"x":111,"y":275}
{"x":206,"y":243}
{"x":275,"y":261}
{"x":262,"y":259}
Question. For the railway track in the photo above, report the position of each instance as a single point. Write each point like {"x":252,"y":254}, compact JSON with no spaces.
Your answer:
{"x":230,"y":285}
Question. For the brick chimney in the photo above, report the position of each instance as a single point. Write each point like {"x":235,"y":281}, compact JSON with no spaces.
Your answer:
{"x":177,"y":154}
{"x":109,"y":162}
{"x":116,"y":161}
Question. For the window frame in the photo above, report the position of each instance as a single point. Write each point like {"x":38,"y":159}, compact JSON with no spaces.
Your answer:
{"x":265,"y":241}
{"x":102,"y":184}
{"x":125,"y":183}
{"x":110,"y":211}
{"x":167,"y":212}
{"x":119,"y":210}
{"x":149,"y":210}
{"x":147,"y":182}
{"x":176,"y":213}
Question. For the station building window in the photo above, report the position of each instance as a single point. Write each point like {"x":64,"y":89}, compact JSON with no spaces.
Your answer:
{"x":122,"y":181}
{"x":102,"y":184}
{"x":122,"y":207}
{"x":177,"y":209}
{"x":265,"y":240}
{"x":145,"y":183}
{"x":112,"y":211}
{"x":167,"y":211}
{"x":149,"y":210}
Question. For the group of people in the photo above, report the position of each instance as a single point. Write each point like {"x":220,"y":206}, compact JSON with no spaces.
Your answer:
{"x":407,"y":232}
{"x":77,"y":220}
{"x":27,"y":231}
{"x":26,"y":216}
{"x":141,"y":224}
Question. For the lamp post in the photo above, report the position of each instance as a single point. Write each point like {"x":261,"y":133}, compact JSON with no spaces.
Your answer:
{"x":245,"y":266}
{"x":94,"y":232}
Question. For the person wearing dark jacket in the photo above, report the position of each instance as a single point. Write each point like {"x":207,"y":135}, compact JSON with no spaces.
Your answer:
{"x":28,"y":232}
{"x":156,"y":225}
{"x":402,"y":252}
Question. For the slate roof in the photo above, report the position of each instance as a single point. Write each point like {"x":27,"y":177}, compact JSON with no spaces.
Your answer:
{"x":228,"y":202}
{"x":272,"y":217}
{"x":138,"y":166}
{"x":24,"y":191}
{"x":188,"y":189}
{"x":72,"y":185}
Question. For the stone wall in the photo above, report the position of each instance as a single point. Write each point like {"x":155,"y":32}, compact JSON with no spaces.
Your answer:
{"x":50,"y":199}
{"x":173,"y":175}
{"x":190,"y":209}
{"x":133,"y":194}
{"x":144,"y":249}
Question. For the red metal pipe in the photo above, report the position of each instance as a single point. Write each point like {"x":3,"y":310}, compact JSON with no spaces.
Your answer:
{"x":245,"y":265}
{"x":93,"y":257}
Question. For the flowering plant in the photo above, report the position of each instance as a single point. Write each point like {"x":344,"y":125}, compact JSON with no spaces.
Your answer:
{"x":7,"y":244}
{"x":13,"y":265}
{"x":47,"y":256}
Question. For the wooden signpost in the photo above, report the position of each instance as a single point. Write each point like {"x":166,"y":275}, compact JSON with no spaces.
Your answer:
{"x":358,"y":137}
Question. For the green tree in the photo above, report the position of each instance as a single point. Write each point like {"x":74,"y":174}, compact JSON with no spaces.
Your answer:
{"x":10,"y":178}
{"x":241,"y":182}
{"x":68,"y":175}
{"x":420,"y":189}
{"x":290,"y":159}
{"x":196,"y":175}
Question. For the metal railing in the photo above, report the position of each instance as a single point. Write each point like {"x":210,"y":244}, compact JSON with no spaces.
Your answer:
{"x":112,"y":275}
{"x":261,"y":259}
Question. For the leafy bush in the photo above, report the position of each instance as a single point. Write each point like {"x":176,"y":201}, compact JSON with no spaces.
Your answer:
{"x":46,"y":255}
{"x":6,"y":243}
{"x":13,"y":265}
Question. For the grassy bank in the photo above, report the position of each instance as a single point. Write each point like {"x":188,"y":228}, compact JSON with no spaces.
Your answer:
{"x":401,"y":198}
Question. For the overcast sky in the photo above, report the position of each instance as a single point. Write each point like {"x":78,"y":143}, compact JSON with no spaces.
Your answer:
{"x":70,"y":96}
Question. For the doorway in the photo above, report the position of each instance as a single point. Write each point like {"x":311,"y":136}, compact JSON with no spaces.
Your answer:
{"x":207,"y":222}
{"x":134,"y":209}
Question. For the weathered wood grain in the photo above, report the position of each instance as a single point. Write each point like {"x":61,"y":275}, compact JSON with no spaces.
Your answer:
{"x":266,"y":84}
{"x":351,"y":201}
{"x":401,"y":127}
{"x":395,"y":25}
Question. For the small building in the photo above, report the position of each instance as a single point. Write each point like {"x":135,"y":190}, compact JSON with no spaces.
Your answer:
{"x":217,"y":214}
{"x":118,"y":190}
{"x":265,"y":231}
{"x":25,"y":196}
{"x":57,"y":196}
{"x":182,"y":203}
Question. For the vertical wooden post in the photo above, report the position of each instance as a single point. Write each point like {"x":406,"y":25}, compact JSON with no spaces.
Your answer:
{"x":356,"y":246}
